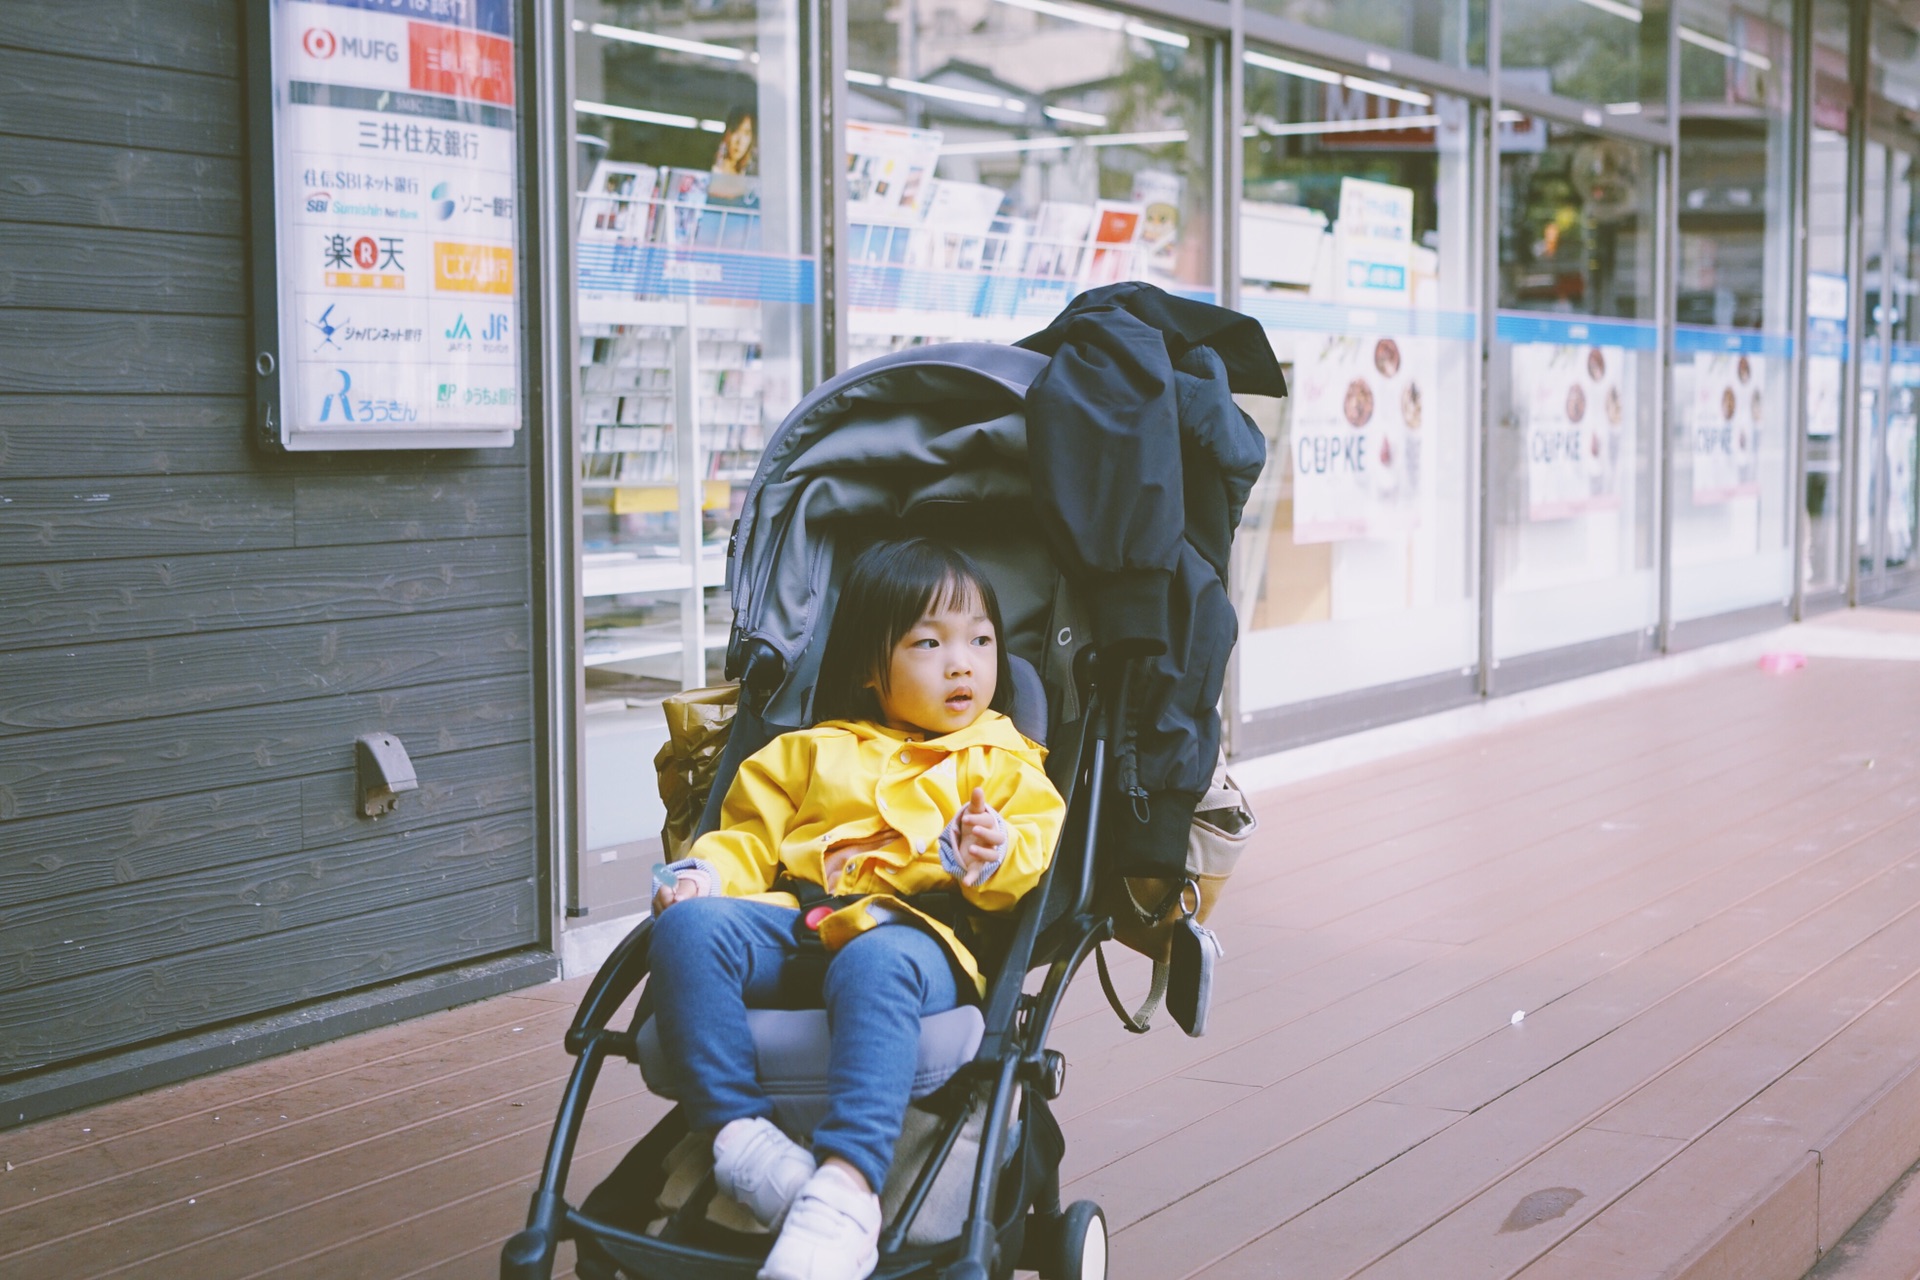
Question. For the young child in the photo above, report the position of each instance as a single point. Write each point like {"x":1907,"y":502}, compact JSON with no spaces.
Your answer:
{"x":915,"y":804}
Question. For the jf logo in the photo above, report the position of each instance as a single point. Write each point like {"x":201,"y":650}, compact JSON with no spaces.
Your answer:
{"x":319,"y":43}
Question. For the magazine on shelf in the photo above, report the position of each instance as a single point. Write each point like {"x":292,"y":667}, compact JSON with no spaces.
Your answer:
{"x":731,"y":217}
{"x":1059,"y":236}
{"x":958,"y":219}
{"x":889,"y":168}
{"x":1116,"y":230}
{"x":684,"y":195}
{"x":617,"y":205}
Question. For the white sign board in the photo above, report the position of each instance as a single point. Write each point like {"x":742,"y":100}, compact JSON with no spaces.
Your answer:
{"x":395,"y":226}
{"x":1580,"y":427}
{"x":1359,"y":434}
{"x":1728,"y":412}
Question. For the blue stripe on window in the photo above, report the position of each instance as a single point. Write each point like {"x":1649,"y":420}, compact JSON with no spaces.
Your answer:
{"x":1304,"y":316}
{"x":654,"y":270}
{"x":1695,"y":338}
{"x":1563,"y":330}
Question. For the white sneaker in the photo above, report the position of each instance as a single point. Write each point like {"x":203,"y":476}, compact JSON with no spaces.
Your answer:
{"x":761,"y":1167}
{"x":832,"y":1232}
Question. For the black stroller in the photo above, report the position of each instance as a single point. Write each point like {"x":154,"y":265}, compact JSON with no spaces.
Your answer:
{"x":929,"y":440}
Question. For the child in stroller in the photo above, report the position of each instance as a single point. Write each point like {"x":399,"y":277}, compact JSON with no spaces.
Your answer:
{"x":937,"y":440}
{"x":896,"y":827}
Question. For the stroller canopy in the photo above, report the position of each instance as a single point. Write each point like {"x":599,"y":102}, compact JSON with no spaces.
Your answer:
{"x":932,"y":439}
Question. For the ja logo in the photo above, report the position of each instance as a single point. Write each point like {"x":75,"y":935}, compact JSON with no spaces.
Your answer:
{"x":346,"y":405}
{"x":460,"y":332}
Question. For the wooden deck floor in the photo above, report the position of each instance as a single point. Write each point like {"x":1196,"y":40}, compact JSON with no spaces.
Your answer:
{"x":1705,"y":899}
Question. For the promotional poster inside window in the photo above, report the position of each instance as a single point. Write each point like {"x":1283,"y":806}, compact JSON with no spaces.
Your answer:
{"x":395,"y":228}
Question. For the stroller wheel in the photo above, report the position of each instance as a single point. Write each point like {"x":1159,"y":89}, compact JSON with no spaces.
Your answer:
{"x":1083,"y":1242}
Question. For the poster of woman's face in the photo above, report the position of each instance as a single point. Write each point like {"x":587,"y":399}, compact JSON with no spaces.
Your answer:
{"x":739,"y":149}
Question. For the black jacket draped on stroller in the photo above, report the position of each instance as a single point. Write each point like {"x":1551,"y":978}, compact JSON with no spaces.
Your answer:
{"x":1098,"y":486}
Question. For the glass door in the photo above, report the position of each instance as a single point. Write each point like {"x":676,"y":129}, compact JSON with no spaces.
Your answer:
{"x":1733,"y":343}
{"x":1890,"y":373}
{"x":693,"y":297}
{"x":999,"y":164}
{"x":1361,"y":245}
{"x":1822,"y":554}
{"x":1574,"y":398}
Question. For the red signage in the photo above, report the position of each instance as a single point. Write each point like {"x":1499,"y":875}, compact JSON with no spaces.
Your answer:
{"x":460,"y":63}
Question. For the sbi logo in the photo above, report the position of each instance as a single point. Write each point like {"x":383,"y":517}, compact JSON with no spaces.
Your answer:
{"x":322,"y":43}
{"x":442,"y":201}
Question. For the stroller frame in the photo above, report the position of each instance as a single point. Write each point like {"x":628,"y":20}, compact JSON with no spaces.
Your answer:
{"x":1014,"y":1217}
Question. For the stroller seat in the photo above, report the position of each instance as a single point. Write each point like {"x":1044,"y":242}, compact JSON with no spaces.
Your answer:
{"x":790,"y":1055}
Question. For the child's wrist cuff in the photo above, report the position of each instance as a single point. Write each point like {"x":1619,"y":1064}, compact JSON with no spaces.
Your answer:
{"x":950,"y":860}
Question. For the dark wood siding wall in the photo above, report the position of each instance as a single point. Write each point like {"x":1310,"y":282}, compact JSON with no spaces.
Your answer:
{"x":192,"y":633}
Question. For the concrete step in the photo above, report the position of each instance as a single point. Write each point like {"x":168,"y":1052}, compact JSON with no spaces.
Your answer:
{"x":1774,"y":1187}
{"x":1884,"y":1244}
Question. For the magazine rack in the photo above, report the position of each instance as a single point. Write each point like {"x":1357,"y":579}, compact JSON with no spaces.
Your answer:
{"x":676,"y":295}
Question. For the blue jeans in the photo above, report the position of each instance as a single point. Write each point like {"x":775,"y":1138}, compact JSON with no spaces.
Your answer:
{"x":713,"y":958}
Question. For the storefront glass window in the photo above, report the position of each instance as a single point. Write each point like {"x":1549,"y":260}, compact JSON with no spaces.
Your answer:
{"x":1008,"y":154}
{"x":1450,"y":31}
{"x":1609,"y":52}
{"x":1822,"y":562}
{"x":1575,"y":354}
{"x":1733,"y":341}
{"x":694,"y":293}
{"x":1358,"y":244}
{"x":1890,"y":355}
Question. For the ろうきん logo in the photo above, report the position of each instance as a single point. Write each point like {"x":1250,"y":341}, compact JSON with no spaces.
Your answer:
{"x":343,"y":395}
{"x":319,"y":43}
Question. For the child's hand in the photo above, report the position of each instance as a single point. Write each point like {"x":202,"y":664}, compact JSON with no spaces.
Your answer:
{"x":684,"y":887}
{"x":983,"y":840}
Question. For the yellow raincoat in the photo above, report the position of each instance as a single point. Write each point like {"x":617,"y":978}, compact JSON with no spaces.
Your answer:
{"x":843,"y":781}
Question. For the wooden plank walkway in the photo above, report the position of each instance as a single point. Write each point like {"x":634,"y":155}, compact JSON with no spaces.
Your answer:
{"x":1705,"y":899}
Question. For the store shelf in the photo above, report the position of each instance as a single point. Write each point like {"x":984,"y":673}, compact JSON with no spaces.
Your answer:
{"x":945,"y":326}
{"x":742,"y":319}
{"x":631,"y":644}
{"x":617,"y":573}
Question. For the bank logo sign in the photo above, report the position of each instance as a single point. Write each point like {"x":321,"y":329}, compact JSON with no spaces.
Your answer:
{"x":394,"y":134}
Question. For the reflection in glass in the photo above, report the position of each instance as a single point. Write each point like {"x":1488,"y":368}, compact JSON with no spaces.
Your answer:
{"x":1612,"y":52}
{"x":1890,"y":373}
{"x":692,"y":289}
{"x":1004,"y":155}
{"x":1573,"y":393}
{"x":1822,"y":555}
{"x":1450,"y":31}
{"x":1732,"y":347}
{"x":1890,"y":358}
{"x":1355,"y":560}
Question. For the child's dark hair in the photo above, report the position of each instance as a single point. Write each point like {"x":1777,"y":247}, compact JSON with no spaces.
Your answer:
{"x":890,"y":587}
